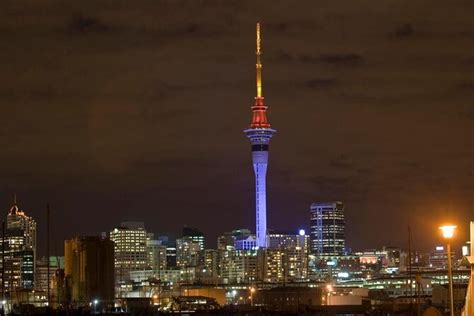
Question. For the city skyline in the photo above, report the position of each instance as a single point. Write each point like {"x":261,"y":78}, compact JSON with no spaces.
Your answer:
{"x":101,"y":127}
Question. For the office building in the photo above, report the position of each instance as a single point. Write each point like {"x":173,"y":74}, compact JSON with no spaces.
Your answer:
{"x":130,"y":242}
{"x":211,"y":263}
{"x":327,"y":229}
{"x":156,"y":255}
{"x":238,"y":266}
{"x":18,"y":220}
{"x":19,"y":251}
{"x":189,"y":248}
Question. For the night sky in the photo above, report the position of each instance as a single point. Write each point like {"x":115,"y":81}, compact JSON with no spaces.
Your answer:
{"x":134,"y":110}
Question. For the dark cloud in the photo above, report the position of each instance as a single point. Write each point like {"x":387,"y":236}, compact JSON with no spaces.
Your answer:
{"x":321,"y":83}
{"x":403,"y":31}
{"x":469,"y":114}
{"x":136,"y":111}
{"x":342,"y":162}
{"x":342,"y":59}
{"x":465,"y":86}
{"x":84,"y":24}
{"x":336,"y":59}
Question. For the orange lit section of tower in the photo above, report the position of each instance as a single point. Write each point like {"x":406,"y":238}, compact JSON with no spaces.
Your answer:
{"x":259,"y":117}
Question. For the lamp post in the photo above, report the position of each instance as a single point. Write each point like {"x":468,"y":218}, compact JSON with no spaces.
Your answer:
{"x":448,"y":233}
{"x":95,"y":306}
{"x":234,"y":293}
{"x":329,"y":290}
{"x":252,"y":290}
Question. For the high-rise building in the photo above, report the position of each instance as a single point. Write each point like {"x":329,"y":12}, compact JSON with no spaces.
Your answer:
{"x":19,"y":267}
{"x":241,"y":239}
{"x":17,"y":219}
{"x":211,"y":263}
{"x":20,"y":250}
{"x":171,"y":256}
{"x":89,"y":270}
{"x":245,"y":242}
{"x":156,"y":255}
{"x":272,"y":261}
{"x":285,"y":240}
{"x":286,"y":258}
{"x":293,"y":250}
{"x":130,"y":249}
{"x":195,"y":235}
{"x":56,"y":279}
{"x":260,"y":134}
{"x":189,"y":248}
{"x":327,"y":229}
{"x":41,"y":280}
{"x":238,"y":266}
{"x":225,"y":240}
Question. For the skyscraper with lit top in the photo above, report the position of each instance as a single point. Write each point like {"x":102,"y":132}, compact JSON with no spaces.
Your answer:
{"x":260,"y":134}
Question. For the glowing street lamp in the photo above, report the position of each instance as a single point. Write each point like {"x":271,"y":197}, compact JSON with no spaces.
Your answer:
{"x":252,"y":290}
{"x":95,"y":306}
{"x":329,"y":290}
{"x":233,"y":293}
{"x":448,"y":233}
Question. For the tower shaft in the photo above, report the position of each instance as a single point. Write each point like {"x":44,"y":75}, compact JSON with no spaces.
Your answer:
{"x":260,"y":163}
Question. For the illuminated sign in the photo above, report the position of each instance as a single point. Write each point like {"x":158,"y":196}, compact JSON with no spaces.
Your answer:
{"x":343,"y":275}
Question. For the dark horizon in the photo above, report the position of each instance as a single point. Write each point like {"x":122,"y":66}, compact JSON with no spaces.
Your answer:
{"x":115,"y":112}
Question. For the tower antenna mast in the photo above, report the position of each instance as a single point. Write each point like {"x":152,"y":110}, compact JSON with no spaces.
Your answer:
{"x":259,"y":62}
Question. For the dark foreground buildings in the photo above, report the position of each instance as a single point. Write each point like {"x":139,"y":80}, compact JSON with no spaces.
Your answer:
{"x":89,"y":271}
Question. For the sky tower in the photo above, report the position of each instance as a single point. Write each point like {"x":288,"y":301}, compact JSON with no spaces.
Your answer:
{"x":260,"y":134}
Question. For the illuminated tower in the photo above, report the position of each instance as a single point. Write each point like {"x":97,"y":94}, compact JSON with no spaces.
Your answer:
{"x":260,"y":134}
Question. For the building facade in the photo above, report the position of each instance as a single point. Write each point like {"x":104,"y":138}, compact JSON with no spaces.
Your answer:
{"x":19,"y":251}
{"x":156,"y":255}
{"x":327,"y":229}
{"x":130,"y":249}
{"x":189,"y":248}
{"x":89,"y":270}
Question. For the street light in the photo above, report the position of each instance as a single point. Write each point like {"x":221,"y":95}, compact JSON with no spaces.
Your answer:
{"x":448,"y":233}
{"x":233,"y":293}
{"x":329,"y":289}
{"x":95,"y":306}
{"x":252,"y":290}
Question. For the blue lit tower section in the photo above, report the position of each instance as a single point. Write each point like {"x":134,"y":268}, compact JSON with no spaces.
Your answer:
{"x":260,"y":134}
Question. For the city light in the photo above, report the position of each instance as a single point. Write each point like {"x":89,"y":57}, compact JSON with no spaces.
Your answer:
{"x":448,"y":231}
